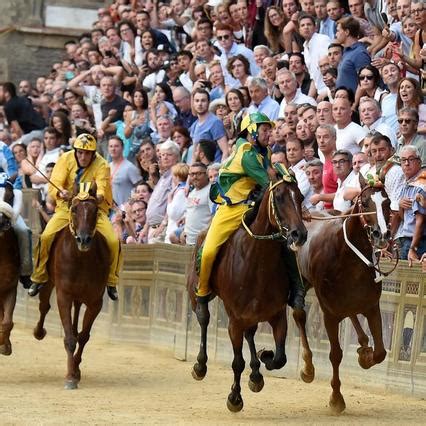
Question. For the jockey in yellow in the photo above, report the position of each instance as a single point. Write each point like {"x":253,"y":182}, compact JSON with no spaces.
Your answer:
{"x":81,"y":165}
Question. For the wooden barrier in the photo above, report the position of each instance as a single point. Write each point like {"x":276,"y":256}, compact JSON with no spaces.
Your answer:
{"x":153,"y":309}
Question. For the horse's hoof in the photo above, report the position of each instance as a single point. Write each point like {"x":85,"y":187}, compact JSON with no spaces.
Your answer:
{"x":70,"y":385}
{"x":265,"y":355}
{"x":199,"y":372}
{"x":234,"y":407}
{"x":307,"y":377}
{"x":337,"y":405}
{"x":365,"y":357}
{"x":6,"y":349}
{"x":256,"y":386}
{"x":39,"y":334}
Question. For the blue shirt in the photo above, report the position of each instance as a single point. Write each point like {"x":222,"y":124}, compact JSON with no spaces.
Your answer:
{"x":212,"y":129}
{"x":8,"y":164}
{"x":328,"y":28}
{"x":354,"y":58}
{"x":268,"y":106}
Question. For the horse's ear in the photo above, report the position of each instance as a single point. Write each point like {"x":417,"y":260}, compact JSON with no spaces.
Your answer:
{"x":75,"y":189}
{"x":93,"y":189}
{"x":362,"y":181}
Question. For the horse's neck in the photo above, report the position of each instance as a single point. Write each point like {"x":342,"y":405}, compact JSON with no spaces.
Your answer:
{"x":261,"y":224}
{"x":356,"y":233}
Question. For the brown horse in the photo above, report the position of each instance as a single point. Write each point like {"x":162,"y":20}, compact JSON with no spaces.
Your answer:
{"x":9,"y":267}
{"x":338,"y":262}
{"x":78,"y":268}
{"x":250,"y":277}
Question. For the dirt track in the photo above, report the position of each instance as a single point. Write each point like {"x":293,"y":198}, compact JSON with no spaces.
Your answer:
{"x":151,"y":387}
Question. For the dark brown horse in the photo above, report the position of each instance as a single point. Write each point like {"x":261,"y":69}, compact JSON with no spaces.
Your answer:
{"x":250,"y":277}
{"x":9,"y":270}
{"x":78,"y":267}
{"x":338,"y":262}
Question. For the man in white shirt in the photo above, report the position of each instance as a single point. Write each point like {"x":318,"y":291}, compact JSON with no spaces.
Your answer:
{"x":295,"y":156}
{"x":371,"y":117}
{"x":313,"y":170}
{"x":347,"y":180}
{"x":314,"y":48}
{"x":287,"y":84}
{"x":349,"y":135}
{"x":260,"y":100}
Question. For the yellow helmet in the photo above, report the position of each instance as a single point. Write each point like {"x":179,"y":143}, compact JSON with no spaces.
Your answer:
{"x":86,"y":142}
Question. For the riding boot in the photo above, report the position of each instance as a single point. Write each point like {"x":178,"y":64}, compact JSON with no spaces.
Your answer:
{"x":297,"y":294}
{"x":34,"y":289}
{"x":26,"y":281}
{"x":112,"y":292}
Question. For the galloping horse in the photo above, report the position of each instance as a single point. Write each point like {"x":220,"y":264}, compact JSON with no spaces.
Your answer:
{"x":250,"y":277}
{"x":338,"y":261}
{"x":78,"y":268}
{"x":9,"y":267}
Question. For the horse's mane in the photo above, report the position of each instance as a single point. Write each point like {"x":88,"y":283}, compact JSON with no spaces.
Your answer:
{"x":255,"y":195}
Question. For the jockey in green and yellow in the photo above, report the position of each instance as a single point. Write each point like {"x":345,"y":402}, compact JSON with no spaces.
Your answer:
{"x":246,"y":168}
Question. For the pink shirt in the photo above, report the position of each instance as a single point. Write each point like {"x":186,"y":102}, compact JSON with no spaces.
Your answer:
{"x":329,"y":181}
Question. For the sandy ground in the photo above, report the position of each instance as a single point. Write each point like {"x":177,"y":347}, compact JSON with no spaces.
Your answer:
{"x":147,"y":386}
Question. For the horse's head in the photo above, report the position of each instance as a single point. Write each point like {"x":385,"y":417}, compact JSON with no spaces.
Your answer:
{"x":285,"y":208}
{"x":84,"y":214}
{"x":374,"y":199}
{"x":7,"y":214}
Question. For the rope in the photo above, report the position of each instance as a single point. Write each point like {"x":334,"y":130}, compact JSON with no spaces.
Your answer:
{"x":341,"y":216}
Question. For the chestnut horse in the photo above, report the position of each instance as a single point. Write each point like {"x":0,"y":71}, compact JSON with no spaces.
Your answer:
{"x":78,"y":268}
{"x":338,"y":261}
{"x":9,"y":270}
{"x":250,"y":277}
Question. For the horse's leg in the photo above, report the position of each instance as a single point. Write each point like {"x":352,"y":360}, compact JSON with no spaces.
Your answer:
{"x":70,"y":340}
{"x":256,"y":382}
{"x":77,"y":306}
{"x":365,"y":352}
{"x":44,"y":307}
{"x":277,"y":360}
{"x":337,"y":402}
{"x":307,"y":373}
{"x":235,"y":401}
{"x":199,"y":370}
{"x":6,"y":324}
{"x":375,"y":323}
{"x":84,"y":336}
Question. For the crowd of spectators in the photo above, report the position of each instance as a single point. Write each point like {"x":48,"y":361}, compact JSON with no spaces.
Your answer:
{"x":163,"y":86}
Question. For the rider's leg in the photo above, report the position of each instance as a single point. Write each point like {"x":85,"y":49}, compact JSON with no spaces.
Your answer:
{"x":226,"y":220}
{"x":24,"y":235}
{"x":105,"y":228}
{"x":297,"y":289}
{"x":41,"y":253}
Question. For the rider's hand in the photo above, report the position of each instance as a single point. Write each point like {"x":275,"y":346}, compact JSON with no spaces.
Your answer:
{"x":64,"y":195}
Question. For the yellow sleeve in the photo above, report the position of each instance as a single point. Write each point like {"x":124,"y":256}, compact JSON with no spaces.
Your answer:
{"x":103,"y":182}
{"x":59,"y":177}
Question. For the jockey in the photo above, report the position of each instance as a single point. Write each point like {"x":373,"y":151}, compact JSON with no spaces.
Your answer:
{"x":23,"y":233}
{"x":238,"y":176}
{"x":80,"y":165}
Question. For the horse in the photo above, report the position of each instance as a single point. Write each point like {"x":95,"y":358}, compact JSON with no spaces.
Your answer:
{"x":78,"y":268}
{"x":9,"y":267}
{"x":249,"y":275}
{"x":339,"y":261}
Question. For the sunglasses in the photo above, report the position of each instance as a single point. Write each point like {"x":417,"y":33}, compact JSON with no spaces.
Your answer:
{"x":368,"y":77}
{"x":224,"y":37}
{"x":405,"y":120}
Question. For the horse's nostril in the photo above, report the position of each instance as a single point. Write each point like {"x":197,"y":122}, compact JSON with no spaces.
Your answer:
{"x":376,"y":234}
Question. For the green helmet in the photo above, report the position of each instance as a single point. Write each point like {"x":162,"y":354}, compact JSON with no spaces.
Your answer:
{"x":251,"y":121}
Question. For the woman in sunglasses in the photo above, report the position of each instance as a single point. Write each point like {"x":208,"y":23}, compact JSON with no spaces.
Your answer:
{"x":410,"y":96}
{"x":368,"y":84}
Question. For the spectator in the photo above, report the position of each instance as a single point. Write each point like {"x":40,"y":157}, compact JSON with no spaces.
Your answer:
{"x":141,"y":191}
{"x":24,"y":121}
{"x":355,"y":55}
{"x":134,"y":223}
{"x":324,"y":113}
{"x":181,"y":136}
{"x":346,"y":178}
{"x":368,"y":84}
{"x":235,"y":102}
{"x":261,"y":101}
{"x":61,"y":123}
{"x":390,"y":75}
{"x":412,"y":210}
{"x":146,"y":160}
{"x":297,"y":66}
{"x":182,"y":100}
{"x":123,"y":173}
{"x":213,"y":172}
{"x":198,"y":206}
{"x":206,"y":152}
{"x":359,"y":160}
{"x":207,"y":125}
{"x":295,"y":153}
{"x":313,"y":170}
{"x":335,"y":54}
{"x":35,"y":152}
{"x":410,"y":96}
{"x":408,"y":119}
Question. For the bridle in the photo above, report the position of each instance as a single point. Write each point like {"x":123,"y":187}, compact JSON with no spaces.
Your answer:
{"x":82,"y":196}
{"x":369,"y":231}
{"x":282,"y":234}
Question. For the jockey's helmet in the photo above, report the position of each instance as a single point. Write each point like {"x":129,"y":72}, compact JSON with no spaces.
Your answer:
{"x":251,"y":121}
{"x":86,"y":142}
